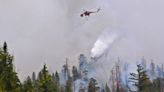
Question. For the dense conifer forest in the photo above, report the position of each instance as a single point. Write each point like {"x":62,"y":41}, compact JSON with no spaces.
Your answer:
{"x":76,"y":80}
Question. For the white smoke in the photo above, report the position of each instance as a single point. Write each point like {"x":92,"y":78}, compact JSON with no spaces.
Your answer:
{"x":105,"y":42}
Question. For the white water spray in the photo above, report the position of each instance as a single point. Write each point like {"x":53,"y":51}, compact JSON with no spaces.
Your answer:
{"x":104,"y":43}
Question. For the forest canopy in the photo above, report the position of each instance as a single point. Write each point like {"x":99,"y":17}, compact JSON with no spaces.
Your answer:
{"x":76,"y":79}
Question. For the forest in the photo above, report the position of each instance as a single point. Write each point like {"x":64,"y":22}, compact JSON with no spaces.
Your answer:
{"x":76,"y":79}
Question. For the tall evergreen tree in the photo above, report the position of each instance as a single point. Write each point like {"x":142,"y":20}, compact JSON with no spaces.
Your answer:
{"x":93,"y":85}
{"x":27,"y":85}
{"x":107,"y":89}
{"x":152,"y":70}
{"x":158,"y":85}
{"x":66,"y":70}
{"x":68,"y":86}
{"x":45,"y":82}
{"x":57,"y":79}
{"x":34,"y":82}
{"x":33,"y":77}
{"x":140,"y":80}
{"x":75,"y":73}
{"x":143,"y":63}
{"x":8,"y":76}
{"x":5,"y":47}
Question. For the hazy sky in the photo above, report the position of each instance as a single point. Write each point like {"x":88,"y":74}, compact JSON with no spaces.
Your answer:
{"x":48,"y":31}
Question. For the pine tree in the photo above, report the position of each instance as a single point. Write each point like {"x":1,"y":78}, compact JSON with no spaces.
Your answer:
{"x":45,"y":82}
{"x":5,"y":47}
{"x":34,"y":82}
{"x":152,"y":69}
{"x":33,"y":77}
{"x":162,"y":71}
{"x":28,"y":86}
{"x":92,"y":87}
{"x":68,"y":86}
{"x":8,"y":76}
{"x":158,"y":85}
{"x":57,"y":79}
{"x":140,"y":80}
{"x":107,"y":89}
{"x":143,"y":63}
{"x":66,"y":70}
{"x":75,"y":73}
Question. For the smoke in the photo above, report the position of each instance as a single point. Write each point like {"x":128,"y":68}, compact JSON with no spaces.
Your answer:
{"x":105,"y":42}
{"x":39,"y":31}
{"x":48,"y":31}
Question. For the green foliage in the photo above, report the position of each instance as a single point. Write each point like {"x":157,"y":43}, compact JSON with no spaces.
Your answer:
{"x":28,"y":85}
{"x":33,"y":77}
{"x":92,"y":87}
{"x":68,"y":86}
{"x":140,"y":80}
{"x":45,"y":82}
{"x":158,"y":85}
{"x":75,"y":73}
{"x":55,"y":78}
{"x":8,"y":77}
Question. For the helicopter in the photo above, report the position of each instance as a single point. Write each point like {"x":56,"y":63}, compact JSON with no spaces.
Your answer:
{"x":88,"y":13}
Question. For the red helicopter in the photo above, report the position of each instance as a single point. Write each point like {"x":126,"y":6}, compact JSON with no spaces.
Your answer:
{"x":87,"y":13}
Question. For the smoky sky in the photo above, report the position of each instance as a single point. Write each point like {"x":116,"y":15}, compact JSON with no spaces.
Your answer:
{"x":48,"y":31}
